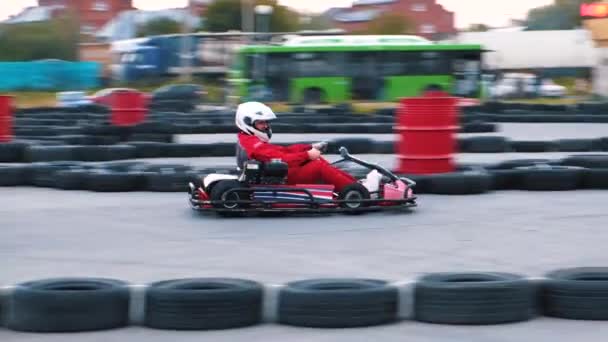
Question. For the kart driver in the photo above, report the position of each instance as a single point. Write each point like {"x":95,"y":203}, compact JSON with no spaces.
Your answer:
{"x":304,"y":161}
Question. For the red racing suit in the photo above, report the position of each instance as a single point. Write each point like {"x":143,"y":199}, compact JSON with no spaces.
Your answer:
{"x":301,"y":170}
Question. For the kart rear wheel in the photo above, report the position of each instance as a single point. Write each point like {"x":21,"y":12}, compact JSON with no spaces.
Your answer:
{"x":354,"y":194}
{"x":220,"y":192}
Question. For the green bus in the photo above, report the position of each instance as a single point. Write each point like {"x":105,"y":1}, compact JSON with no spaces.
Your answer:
{"x":334,"y":69}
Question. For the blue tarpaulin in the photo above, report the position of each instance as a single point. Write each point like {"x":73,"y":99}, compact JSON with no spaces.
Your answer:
{"x":49,"y":75}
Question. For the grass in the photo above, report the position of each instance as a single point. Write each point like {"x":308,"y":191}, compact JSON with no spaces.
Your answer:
{"x":33,"y":99}
{"x":548,"y":101}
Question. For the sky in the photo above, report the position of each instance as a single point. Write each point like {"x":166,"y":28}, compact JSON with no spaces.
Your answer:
{"x":491,"y":12}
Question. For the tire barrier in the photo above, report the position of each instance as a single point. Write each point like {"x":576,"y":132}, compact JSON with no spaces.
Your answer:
{"x":474,"y":298}
{"x":337,"y":303}
{"x":68,"y":305}
{"x":471,"y":298}
{"x":550,"y":177}
{"x":532,"y":146}
{"x":52,"y":152}
{"x":484,"y":144}
{"x":203,"y":304}
{"x":126,"y":176}
{"x":468,"y":182}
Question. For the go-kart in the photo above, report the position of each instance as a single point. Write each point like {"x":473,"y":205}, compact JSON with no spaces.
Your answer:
{"x":261,"y":187}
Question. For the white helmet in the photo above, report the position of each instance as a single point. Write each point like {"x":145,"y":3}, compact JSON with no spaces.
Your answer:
{"x":248,"y":113}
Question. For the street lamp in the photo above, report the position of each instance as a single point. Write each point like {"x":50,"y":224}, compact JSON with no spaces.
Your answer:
{"x":262,"y":22}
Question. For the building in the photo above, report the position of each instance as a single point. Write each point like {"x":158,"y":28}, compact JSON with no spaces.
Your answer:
{"x":432,"y":20}
{"x":564,"y":53}
{"x":92,"y":14}
{"x":199,"y":7}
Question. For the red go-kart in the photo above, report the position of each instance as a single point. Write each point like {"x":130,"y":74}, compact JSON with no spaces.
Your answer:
{"x":261,"y":187}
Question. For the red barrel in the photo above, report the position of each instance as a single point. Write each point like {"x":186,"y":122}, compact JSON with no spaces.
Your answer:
{"x":128,"y":108}
{"x":427,"y":129}
{"x":6,"y":118}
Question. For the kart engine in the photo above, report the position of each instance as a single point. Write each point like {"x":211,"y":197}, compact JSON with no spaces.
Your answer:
{"x":273,"y":172}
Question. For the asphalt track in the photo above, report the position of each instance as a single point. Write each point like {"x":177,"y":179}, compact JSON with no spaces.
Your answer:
{"x":144,"y":237}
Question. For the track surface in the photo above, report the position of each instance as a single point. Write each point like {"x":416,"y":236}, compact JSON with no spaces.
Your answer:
{"x":144,"y":237}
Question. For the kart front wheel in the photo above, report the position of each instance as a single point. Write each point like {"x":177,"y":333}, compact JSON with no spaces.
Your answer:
{"x":227,"y":199}
{"x":354,"y":195}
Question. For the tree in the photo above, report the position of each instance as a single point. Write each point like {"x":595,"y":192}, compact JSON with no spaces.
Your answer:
{"x":478,"y":28}
{"x":159,"y":26}
{"x":224,"y":15}
{"x":315,"y":22}
{"x":54,"y":39}
{"x":390,"y":23}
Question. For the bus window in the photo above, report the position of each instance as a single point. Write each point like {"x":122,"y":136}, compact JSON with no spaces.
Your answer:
{"x":317,"y":64}
{"x":390,"y":63}
{"x":278,"y":65}
{"x":432,"y":63}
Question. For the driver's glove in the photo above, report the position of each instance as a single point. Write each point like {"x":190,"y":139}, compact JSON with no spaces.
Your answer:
{"x":321,"y":146}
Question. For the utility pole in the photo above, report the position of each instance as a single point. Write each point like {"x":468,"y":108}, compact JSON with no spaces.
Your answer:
{"x":186,"y":55}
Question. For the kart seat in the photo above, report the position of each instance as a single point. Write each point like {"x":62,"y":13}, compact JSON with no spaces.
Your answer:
{"x":273,"y":171}
{"x":241,"y":157}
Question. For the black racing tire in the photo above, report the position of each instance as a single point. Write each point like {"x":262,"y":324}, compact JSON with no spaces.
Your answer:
{"x":43,"y":174}
{"x":551,"y":177}
{"x":12,"y":176}
{"x":491,"y":144}
{"x":474,"y":298}
{"x":506,"y":179}
{"x":354,"y":194}
{"x":574,"y":145}
{"x":512,"y":164}
{"x":354,"y":145}
{"x":71,"y":179}
{"x":533,"y":146}
{"x":337,"y":303}
{"x":68,"y":305}
{"x":100,"y":180}
{"x":37,"y":153}
{"x":576,"y":293}
{"x":595,"y":179}
{"x":169,"y":182}
{"x":461,"y":183}
{"x":203,"y":304}
{"x":219,"y":193}
{"x":590,"y":161}
{"x":12,"y":152}
{"x":478,"y":127}
{"x":105,"y":153}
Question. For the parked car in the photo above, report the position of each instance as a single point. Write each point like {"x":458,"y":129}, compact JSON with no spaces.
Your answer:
{"x":519,"y":85}
{"x":549,"y":89}
{"x":71,"y":99}
{"x":180,"y":97}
